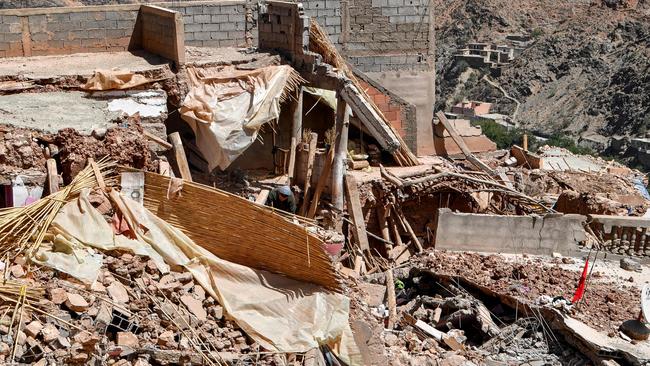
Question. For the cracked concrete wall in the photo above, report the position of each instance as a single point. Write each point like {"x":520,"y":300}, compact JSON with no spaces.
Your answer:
{"x":510,"y":234}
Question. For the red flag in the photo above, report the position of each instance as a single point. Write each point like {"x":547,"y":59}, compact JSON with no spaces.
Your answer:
{"x":581,"y":285}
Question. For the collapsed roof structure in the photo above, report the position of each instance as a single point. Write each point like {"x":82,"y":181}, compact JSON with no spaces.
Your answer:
{"x":136,"y":229}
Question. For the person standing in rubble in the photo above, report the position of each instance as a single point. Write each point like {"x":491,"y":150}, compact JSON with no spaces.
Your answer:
{"x":282,"y":198}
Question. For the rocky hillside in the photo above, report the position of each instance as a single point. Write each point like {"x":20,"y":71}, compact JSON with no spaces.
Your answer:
{"x":587,"y":74}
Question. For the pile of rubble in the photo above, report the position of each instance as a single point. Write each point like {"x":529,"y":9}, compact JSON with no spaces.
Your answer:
{"x":130,"y":316}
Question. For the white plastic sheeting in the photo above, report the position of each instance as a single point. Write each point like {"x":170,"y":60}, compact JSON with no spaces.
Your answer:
{"x":227,"y":107}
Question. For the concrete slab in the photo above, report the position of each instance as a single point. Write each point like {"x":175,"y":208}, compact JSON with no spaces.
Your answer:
{"x":208,"y":56}
{"x":84,"y":64}
{"x":51,"y":112}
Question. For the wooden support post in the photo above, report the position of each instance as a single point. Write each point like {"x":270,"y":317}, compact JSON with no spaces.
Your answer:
{"x":310,"y":169}
{"x":179,"y":154}
{"x":356,"y":214}
{"x":394,"y":228}
{"x":338,"y":167}
{"x":324,"y":175}
{"x":52,"y":176}
{"x":292,"y":159}
{"x":382,"y":219}
{"x":391,"y":299}
{"x":296,"y":117}
{"x":525,"y":142}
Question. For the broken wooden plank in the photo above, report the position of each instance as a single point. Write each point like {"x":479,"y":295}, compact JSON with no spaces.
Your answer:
{"x":356,"y":214}
{"x":461,"y":144}
{"x":424,"y":327}
{"x":52,"y":176}
{"x":157,"y":139}
{"x":391,"y":299}
{"x":262,"y":197}
{"x":322,"y":180}
{"x":98,"y":174}
{"x":310,"y":169}
{"x":382,"y":220}
{"x":395,"y":230}
{"x":179,"y":154}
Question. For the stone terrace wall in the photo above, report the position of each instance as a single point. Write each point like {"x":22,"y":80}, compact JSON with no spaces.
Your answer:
{"x":48,"y":31}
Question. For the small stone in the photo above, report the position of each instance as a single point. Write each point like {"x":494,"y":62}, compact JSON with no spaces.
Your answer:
{"x":78,"y":358}
{"x":76,"y":303}
{"x":390,"y":339}
{"x":216,"y":311}
{"x":195,"y":306}
{"x":64,"y":342}
{"x":17,"y":271}
{"x":98,"y":287}
{"x":127,"y":339}
{"x":58,"y":296}
{"x":629,"y":264}
{"x":166,"y":338}
{"x":198,"y":292}
{"x":4,"y":348}
{"x":50,"y":333}
{"x":141,"y":362}
{"x":32,"y":329}
{"x":118,"y":293}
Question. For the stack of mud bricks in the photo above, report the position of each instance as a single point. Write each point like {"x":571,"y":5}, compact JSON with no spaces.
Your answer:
{"x":214,"y":24}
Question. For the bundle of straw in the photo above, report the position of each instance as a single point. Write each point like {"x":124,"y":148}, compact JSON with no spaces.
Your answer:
{"x":320,"y":42}
{"x":22,"y":229}
{"x":14,"y":289}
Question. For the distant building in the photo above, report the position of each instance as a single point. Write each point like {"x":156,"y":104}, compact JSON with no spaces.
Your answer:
{"x":492,"y":55}
{"x":471,"y":108}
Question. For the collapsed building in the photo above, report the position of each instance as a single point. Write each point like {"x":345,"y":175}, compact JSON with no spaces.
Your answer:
{"x":140,"y":144}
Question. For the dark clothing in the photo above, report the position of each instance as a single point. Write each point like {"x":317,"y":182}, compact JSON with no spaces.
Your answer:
{"x":288,"y":205}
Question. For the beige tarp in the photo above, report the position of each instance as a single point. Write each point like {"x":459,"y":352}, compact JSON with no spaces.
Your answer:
{"x":114,"y":79}
{"x":277,"y":312}
{"x":328,"y":97}
{"x":227,"y":107}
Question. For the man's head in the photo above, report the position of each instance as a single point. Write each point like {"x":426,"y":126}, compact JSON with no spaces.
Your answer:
{"x":284,"y":192}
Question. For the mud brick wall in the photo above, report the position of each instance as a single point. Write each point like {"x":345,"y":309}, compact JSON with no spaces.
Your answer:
{"x":66,"y":30}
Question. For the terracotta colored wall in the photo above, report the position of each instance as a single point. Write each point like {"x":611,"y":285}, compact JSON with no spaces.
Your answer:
{"x":392,"y":109}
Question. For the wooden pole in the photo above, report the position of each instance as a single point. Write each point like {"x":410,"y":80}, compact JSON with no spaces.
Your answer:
{"x":157,"y":139}
{"x":525,"y":142}
{"x":324,"y":175}
{"x":409,"y":229}
{"x":396,"y":234}
{"x":310,"y":169}
{"x":179,"y":154}
{"x":391,"y":298}
{"x":292,"y":159}
{"x":296,"y":118}
{"x":382,"y":219}
{"x":338,"y":167}
{"x":52,"y":176}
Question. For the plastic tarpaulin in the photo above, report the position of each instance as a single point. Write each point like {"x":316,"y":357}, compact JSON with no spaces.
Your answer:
{"x":114,"y":79}
{"x":227,"y":107}
{"x":277,"y":312}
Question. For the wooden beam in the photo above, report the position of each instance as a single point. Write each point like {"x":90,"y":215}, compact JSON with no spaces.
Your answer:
{"x":391,"y":299}
{"x":292,"y":159}
{"x":262,"y":197}
{"x":338,"y":166}
{"x":179,"y":154}
{"x":296,"y":117}
{"x":426,"y":328}
{"x":382,"y":219}
{"x":324,"y":175}
{"x":157,"y":139}
{"x":356,"y":214}
{"x":52,"y":176}
{"x":310,"y":169}
{"x":395,"y":229}
{"x":463,"y":147}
